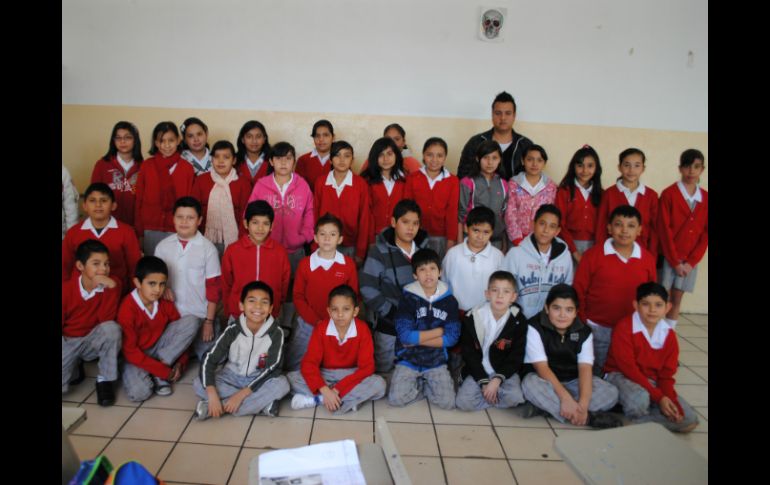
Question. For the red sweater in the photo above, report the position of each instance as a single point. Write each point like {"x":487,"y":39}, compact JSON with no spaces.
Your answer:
{"x":383,"y":204}
{"x":647,"y":205}
{"x":140,"y":332}
{"x":244,"y":262}
{"x":684,"y":234}
{"x":631,"y":354}
{"x":123,"y":184}
{"x":150,"y":213}
{"x":310,"y":168}
{"x":79,"y":316}
{"x":439,"y":206}
{"x":240,"y":190}
{"x":121,"y":242}
{"x":243,"y":172}
{"x":578,"y":217}
{"x":352,"y":207}
{"x":606,"y":286}
{"x":324,"y":351}
{"x":312,"y":288}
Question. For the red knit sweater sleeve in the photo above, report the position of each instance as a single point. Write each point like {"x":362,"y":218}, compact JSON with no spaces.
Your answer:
{"x":138,"y":217}
{"x":68,"y":255}
{"x":300,"y":294}
{"x":602,"y":218}
{"x":353,"y":279}
{"x":652,"y":223}
{"x":131,"y":250}
{"x":228,"y":278}
{"x":365,"y":221}
{"x":665,"y":234}
{"x":214,"y":289}
{"x":562,"y":202}
{"x":311,"y":362}
{"x":285,"y":274}
{"x":622,"y":348}
{"x":127,"y":318}
{"x":108,"y":309}
{"x":450,"y":216}
{"x":665,"y":379}
{"x":703,"y":241}
{"x":365,"y":360}
{"x":582,"y":279}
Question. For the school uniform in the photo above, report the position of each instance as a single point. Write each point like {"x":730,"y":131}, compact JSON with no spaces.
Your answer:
{"x":492,"y":348}
{"x":578,"y":217}
{"x":311,"y":166}
{"x":344,"y":363}
{"x":253,"y":171}
{"x":467,"y":272}
{"x":152,"y":342}
{"x":438,"y":200}
{"x":89,"y":329}
{"x":479,"y":192}
{"x":240,"y":190}
{"x":646,"y":202}
{"x":349,"y":201}
{"x":199,"y":165}
{"x":523,"y":202}
{"x":563,"y":354}
{"x":383,"y":197}
{"x":121,"y":177}
{"x":606,"y":284}
{"x":642,"y":367}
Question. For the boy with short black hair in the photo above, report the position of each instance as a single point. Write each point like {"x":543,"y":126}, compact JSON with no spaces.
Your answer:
{"x":540,"y":261}
{"x":154,"y":334}
{"x":427,"y":325}
{"x":642,"y":361}
{"x":386,"y":271}
{"x":89,"y":304}
{"x":251,"y":380}
{"x":101,"y":225}
{"x":338,"y":368}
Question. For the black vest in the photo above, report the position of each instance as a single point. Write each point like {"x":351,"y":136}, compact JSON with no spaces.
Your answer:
{"x":562,"y":350}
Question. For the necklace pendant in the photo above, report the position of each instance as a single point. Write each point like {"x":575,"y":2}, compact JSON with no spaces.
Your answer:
{"x":473,"y":258}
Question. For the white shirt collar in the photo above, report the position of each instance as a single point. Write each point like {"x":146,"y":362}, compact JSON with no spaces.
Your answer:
{"x":126,"y":165}
{"x":658,"y":337}
{"x":696,"y":197}
{"x":282,"y":189}
{"x":347,"y":181}
{"x":610,"y":249}
{"x":331,"y":330}
{"x":88,"y":225}
{"x":197,"y":239}
{"x":316,"y":260}
{"x":389,"y":184}
{"x":411,"y":251}
{"x":492,"y":329}
{"x":85,"y":294}
{"x":630,"y":195}
{"x":533,"y":189}
{"x":255,"y":165}
{"x":441,"y":176}
{"x":138,"y":300}
{"x":586,"y":192}
{"x":467,"y":251}
{"x":323,"y":159}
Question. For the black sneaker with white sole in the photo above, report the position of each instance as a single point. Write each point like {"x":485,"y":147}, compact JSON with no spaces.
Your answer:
{"x":105,"y":393}
{"x":272,"y":409}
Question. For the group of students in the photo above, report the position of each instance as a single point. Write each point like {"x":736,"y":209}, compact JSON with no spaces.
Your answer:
{"x":465,"y":282}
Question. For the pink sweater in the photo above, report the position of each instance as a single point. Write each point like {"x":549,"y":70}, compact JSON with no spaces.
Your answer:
{"x":293,"y":224}
{"x":520,"y":212}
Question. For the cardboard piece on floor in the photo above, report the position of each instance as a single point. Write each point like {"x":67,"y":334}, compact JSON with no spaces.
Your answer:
{"x":637,"y":454}
{"x":71,"y":417}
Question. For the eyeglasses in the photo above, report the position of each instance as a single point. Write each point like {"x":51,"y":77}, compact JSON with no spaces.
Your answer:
{"x":124,"y":138}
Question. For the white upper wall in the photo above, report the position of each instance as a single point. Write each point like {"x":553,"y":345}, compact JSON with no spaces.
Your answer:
{"x":629,"y":63}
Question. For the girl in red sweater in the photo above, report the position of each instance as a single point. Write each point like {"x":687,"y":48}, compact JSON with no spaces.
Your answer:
{"x":315,"y":163}
{"x":195,"y":146}
{"x":578,"y":199}
{"x":253,"y":151}
{"x":386,"y":182}
{"x":119,"y":168}
{"x":223,"y":195}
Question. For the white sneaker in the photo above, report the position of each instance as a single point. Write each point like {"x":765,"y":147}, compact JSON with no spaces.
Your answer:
{"x":162,"y":387}
{"x":301,"y":401}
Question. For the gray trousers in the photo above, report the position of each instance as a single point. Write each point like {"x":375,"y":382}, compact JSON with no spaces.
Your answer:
{"x":540,"y":392}
{"x":602,"y":338}
{"x":228,"y":383}
{"x":103,"y":342}
{"x":470,"y":398}
{"x":151,"y":239}
{"x":640,"y":409}
{"x":438,"y":244}
{"x":384,"y":351}
{"x":408,"y":385}
{"x":175,"y":339}
{"x":298,"y":344}
{"x":373,"y":387}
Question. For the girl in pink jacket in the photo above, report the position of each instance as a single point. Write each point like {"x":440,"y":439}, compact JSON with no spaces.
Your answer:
{"x":527,"y":191}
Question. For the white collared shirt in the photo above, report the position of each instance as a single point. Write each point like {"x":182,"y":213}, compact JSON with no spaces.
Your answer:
{"x":441,"y":176}
{"x":492,"y":329}
{"x":316,"y":260}
{"x":254,"y":166}
{"x":690,"y":199}
{"x":88,"y":295}
{"x":126,"y":165}
{"x":630,"y":196}
{"x":188,"y":269}
{"x":409,"y":253}
{"x":323,"y":159}
{"x":347,"y":181}
{"x":504,"y":146}
{"x":389,"y":184}
{"x":282,"y":189}
{"x":659,"y":334}
{"x":138,"y":300}
{"x":467,"y":272}
{"x":88,"y":225}
{"x":331,"y":330}
{"x":586,"y":192}
{"x":533,"y":190}
{"x":545,"y":256}
{"x":610,"y":249}
{"x":535,"y":350}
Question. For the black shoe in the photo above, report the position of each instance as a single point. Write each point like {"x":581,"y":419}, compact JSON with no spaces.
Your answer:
{"x":272,"y":409}
{"x":617,"y":409}
{"x":80,"y":376}
{"x":529,"y":410}
{"x":105,"y":393}
{"x":604,"y":420}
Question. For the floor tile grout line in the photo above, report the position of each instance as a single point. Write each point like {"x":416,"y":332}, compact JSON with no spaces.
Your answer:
{"x":115,"y":435}
{"x":505,"y":454}
{"x":240,"y":449}
{"x":438,"y":443}
{"x":171,"y":452}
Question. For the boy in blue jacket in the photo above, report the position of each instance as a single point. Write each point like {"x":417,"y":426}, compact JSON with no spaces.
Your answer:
{"x":427,"y":324}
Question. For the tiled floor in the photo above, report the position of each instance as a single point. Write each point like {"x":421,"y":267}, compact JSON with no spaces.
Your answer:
{"x":438,"y":446}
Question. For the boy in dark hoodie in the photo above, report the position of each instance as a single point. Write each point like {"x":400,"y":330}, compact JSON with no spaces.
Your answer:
{"x":427,"y":324}
{"x":386,"y":271}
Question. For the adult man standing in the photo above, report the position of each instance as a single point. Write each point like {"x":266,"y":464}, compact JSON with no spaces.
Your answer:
{"x":513,"y":144}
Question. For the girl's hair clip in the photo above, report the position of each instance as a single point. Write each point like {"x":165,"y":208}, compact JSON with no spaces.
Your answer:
{"x":182,"y":127}
{"x":586,"y":146}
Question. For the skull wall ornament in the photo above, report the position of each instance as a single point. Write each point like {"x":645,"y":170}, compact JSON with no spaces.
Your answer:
{"x":491,"y":23}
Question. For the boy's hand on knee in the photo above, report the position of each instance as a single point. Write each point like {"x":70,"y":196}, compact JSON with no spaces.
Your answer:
{"x":669,"y":410}
{"x":332,"y":399}
{"x":569,"y":407}
{"x":235,"y":401}
{"x":207,"y":334}
{"x":215,"y":404}
{"x":687,"y":268}
{"x":176,"y":372}
{"x":490,"y":390}
{"x":580,"y":418}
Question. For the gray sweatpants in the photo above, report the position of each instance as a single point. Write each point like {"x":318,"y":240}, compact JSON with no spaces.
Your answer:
{"x":384,"y":352}
{"x":151,"y":239}
{"x":175,"y":339}
{"x":640,"y":409}
{"x":408,"y":385}
{"x":602,"y":338}
{"x":470,"y":398}
{"x":373,"y":387}
{"x":540,"y":392}
{"x":102,"y":342}
{"x":298,"y":344}
{"x":228,"y":383}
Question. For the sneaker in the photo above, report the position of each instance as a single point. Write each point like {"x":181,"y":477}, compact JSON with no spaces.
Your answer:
{"x":202,"y":410}
{"x":105,"y":393}
{"x":301,"y":401}
{"x":80,"y":376}
{"x":604,"y":420}
{"x":162,"y":387}
{"x":272,"y":409}
{"x":529,"y":410}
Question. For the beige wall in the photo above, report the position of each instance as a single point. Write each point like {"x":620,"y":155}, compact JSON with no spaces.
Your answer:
{"x":86,"y":130}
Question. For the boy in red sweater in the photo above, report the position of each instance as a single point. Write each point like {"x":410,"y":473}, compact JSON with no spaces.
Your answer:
{"x":315,"y":164}
{"x":345,"y":195}
{"x":119,"y":237}
{"x":338,"y":368}
{"x":683,"y":230}
{"x":642,"y":362}
{"x":89,"y":304}
{"x":154,"y":334}
{"x":316,"y":276}
{"x":255,"y":257}
{"x":607,"y":278}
